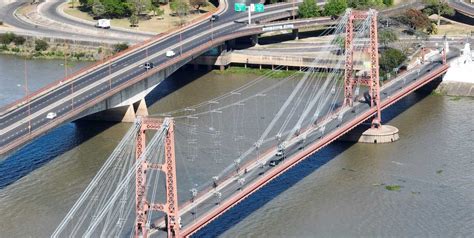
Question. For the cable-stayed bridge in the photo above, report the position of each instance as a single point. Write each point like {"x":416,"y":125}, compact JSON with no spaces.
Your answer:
{"x":172,"y":176}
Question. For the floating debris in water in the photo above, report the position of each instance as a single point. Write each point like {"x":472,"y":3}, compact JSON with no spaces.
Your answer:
{"x":439,"y":171}
{"x":393,"y":187}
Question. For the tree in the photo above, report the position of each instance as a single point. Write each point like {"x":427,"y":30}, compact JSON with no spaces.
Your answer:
{"x":98,"y":8}
{"x":308,"y":9}
{"x":41,"y":45}
{"x":335,"y":7}
{"x":120,"y":47}
{"x":73,"y":2}
{"x":198,"y":4}
{"x":139,"y":6}
{"x":386,"y":37}
{"x":440,"y":7}
{"x":133,"y":19}
{"x":390,"y":59}
{"x":180,"y":7}
{"x":416,"y":19}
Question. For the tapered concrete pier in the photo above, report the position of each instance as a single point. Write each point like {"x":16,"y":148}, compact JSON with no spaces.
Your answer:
{"x":365,"y":134}
{"x":383,"y":134}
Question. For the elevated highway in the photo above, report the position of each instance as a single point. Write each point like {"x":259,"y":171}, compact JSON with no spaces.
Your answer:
{"x":462,"y":7}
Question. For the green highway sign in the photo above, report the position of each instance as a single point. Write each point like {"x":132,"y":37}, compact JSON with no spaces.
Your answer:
{"x":259,"y":7}
{"x":239,"y":7}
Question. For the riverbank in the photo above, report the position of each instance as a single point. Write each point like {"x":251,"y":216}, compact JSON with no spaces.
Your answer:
{"x":51,"y":48}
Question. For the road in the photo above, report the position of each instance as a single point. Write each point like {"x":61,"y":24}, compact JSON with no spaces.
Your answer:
{"x":463,"y":7}
{"x":70,"y":95}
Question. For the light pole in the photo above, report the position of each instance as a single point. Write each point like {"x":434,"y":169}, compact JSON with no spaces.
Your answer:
{"x":27,"y":96}
{"x":180,"y":43}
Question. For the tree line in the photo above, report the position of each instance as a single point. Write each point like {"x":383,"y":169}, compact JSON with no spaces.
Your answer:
{"x":136,"y":8}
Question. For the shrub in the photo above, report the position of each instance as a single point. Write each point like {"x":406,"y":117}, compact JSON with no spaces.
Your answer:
{"x":120,"y":47}
{"x":19,"y":40}
{"x":308,"y":9}
{"x":7,"y":38}
{"x":41,"y":45}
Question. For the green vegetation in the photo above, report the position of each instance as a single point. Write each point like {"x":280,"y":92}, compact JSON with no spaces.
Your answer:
{"x":393,"y":187}
{"x":309,"y":9}
{"x":335,"y":7}
{"x":120,"y":47}
{"x":438,"y":7}
{"x":136,"y":9}
{"x":386,"y":37}
{"x":390,"y":58}
{"x":457,"y":98}
{"x":259,"y":72}
{"x":439,"y":171}
{"x":180,"y":7}
{"x":41,"y":45}
{"x":8,"y":38}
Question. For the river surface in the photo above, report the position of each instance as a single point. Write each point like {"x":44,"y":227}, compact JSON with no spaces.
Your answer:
{"x":339,"y":192}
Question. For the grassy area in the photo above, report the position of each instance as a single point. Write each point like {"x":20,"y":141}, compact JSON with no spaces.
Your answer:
{"x":154,"y":24}
{"x":260,"y":72}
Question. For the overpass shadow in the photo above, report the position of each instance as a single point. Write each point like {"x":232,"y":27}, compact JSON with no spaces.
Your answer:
{"x":301,"y":170}
{"x":40,"y":151}
{"x":175,"y":81}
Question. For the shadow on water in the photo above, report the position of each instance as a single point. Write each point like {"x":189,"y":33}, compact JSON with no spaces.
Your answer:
{"x":300,"y":171}
{"x":175,"y":81}
{"x":272,"y":189}
{"x":396,"y":109}
{"x":40,"y":151}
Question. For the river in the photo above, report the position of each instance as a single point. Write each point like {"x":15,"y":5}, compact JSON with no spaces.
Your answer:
{"x":338,"y":192}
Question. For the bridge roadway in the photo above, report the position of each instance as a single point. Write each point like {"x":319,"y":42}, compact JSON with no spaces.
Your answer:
{"x":462,"y":7}
{"x":206,"y":206}
{"x":72,"y":96}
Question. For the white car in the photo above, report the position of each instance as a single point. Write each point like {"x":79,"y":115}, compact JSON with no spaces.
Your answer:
{"x":51,"y":115}
{"x":170,"y":53}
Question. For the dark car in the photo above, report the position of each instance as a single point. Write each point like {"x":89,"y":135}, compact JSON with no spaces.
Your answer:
{"x":275,"y":162}
{"x":214,"y":17}
{"x":148,"y":65}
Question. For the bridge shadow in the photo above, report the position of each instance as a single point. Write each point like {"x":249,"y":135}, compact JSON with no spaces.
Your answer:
{"x":40,"y":151}
{"x":175,"y":81}
{"x":303,"y":169}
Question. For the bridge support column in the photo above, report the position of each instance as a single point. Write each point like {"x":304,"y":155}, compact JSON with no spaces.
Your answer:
{"x":377,"y":133}
{"x":295,"y":33}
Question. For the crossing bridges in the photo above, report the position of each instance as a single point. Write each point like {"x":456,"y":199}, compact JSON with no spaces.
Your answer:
{"x":227,"y":148}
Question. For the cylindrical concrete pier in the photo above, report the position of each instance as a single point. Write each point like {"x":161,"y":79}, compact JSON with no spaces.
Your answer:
{"x":383,"y":134}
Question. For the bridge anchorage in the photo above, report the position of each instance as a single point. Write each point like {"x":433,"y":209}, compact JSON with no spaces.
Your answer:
{"x":378,"y":133}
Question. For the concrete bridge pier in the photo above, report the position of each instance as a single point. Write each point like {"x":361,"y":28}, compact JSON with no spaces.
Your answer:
{"x":254,"y":40}
{"x":295,"y":33}
{"x":367,"y":134}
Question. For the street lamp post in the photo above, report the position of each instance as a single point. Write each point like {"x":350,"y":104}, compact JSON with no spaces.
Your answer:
{"x":27,"y":97}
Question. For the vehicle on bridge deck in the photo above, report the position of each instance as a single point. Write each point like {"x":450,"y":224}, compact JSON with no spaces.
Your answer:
{"x":170,"y":53}
{"x":148,"y":65}
{"x":51,"y":115}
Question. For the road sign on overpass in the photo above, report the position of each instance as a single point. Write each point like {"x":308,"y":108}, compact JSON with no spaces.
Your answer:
{"x":240,"y":7}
